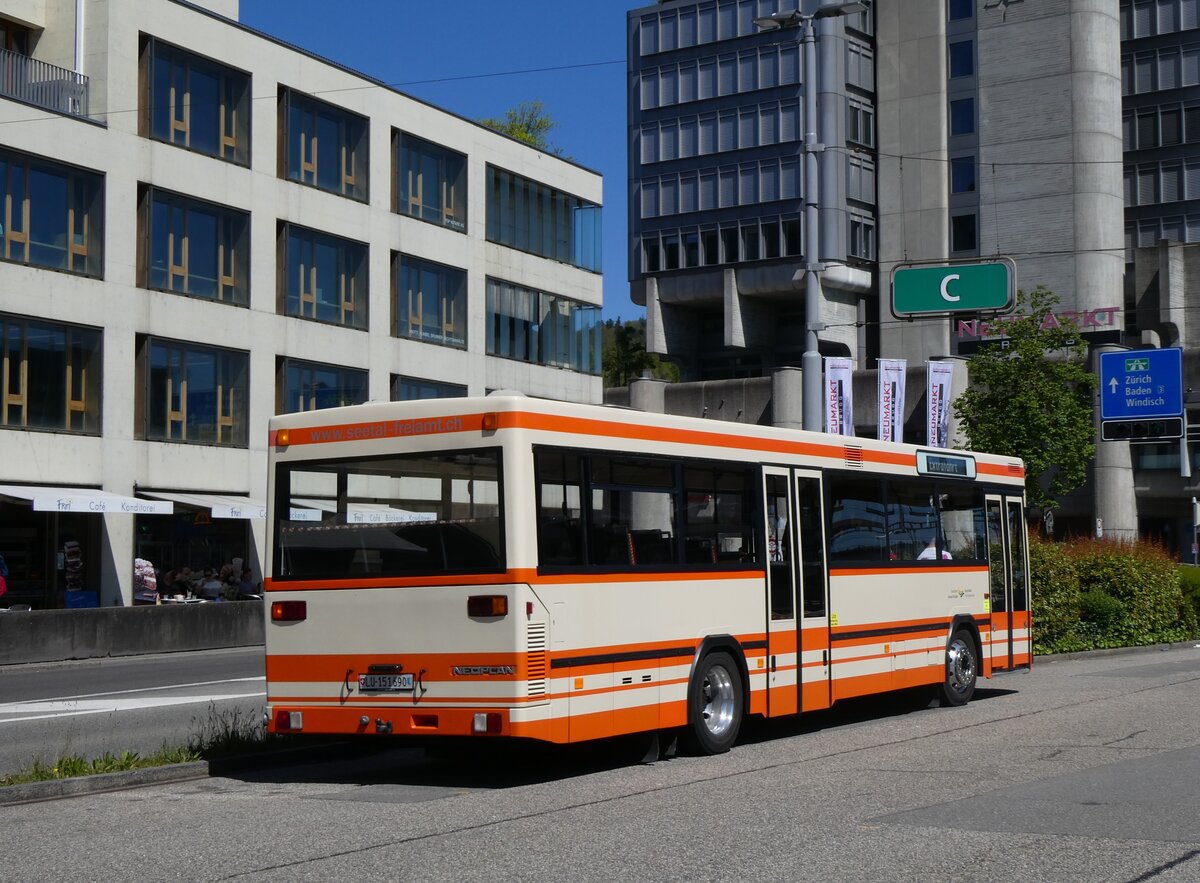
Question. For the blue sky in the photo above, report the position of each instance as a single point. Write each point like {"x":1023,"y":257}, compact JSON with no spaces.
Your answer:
{"x":463,"y":57}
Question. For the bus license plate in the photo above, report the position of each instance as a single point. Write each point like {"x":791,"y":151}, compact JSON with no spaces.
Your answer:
{"x":402,"y":683}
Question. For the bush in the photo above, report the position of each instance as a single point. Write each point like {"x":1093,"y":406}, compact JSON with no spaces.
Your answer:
{"x":1089,"y":594}
{"x":1055,"y":595}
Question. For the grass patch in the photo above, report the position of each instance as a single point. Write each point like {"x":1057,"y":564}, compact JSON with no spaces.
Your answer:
{"x":220,"y":734}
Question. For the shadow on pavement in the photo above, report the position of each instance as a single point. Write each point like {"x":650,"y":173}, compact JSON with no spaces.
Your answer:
{"x":475,"y":764}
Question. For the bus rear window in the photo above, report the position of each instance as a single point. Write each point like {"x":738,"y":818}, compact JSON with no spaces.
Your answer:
{"x":413,"y":515}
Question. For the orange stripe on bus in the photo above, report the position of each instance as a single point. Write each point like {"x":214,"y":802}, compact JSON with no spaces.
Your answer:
{"x":526,"y":575}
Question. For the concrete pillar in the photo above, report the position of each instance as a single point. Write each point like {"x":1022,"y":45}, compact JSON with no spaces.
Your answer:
{"x":787,"y":398}
{"x":1115,"y":502}
{"x":648,"y":394}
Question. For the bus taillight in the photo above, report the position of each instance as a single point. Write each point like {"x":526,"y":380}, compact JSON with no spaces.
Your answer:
{"x":487,"y":605}
{"x":289,"y":611}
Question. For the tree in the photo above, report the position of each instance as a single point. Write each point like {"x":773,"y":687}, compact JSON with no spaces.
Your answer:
{"x":529,"y":122}
{"x":1030,"y":396}
{"x":625,"y":356}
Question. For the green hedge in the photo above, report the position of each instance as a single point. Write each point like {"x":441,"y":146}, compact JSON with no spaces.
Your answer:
{"x":1091,"y":594}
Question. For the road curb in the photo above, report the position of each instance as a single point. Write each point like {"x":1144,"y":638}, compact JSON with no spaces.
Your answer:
{"x":79,"y":786}
{"x":55,"y":789}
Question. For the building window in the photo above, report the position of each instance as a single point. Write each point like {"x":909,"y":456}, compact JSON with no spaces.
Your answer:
{"x":534,"y":218}
{"x":322,"y":277}
{"x":53,"y":215}
{"x":193,"y":102}
{"x":322,"y":145}
{"x":860,"y":178}
{"x":431,"y":182}
{"x":962,"y":174}
{"x":407,"y":389}
{"x":862,"y":238}
{"x":51,"y":376}
{"x":429,"y":301}
{"x":309,"y":386}
{"x":962,"y":116}
{"x":962,"y":58}
{"x":963,"y":235}
{"x":959,"y":10}
{"x":544,"y":329}
{"x":192,"y":247}
{"x":190,"y":393}
{"x":860,"y":123}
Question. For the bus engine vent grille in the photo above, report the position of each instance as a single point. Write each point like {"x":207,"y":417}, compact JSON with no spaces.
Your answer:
{"x":854,"y":456}
{"x":535,"y":658}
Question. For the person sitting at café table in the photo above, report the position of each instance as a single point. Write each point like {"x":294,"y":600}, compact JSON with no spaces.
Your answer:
{"x":210,"y":587}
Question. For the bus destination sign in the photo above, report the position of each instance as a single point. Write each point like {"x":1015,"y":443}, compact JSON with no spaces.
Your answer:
{"x":948,"y":465}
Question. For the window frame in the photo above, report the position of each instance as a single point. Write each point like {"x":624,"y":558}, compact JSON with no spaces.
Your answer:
{"x":16,"y":382}
{"x":308,"y":163}
{"x":350,"y":266}
{"x":223,"y":419}
{"x":452,"y":210}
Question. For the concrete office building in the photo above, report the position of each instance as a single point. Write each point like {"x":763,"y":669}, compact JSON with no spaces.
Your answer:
{"x":202,"y":227}
{"x":954,"y":129}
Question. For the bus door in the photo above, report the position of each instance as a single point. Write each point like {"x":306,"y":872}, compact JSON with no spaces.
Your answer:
{"x":797,"y":592}
{"x":815,"y":653}
{"x":1009,"y":574}
{"x":783,"y":695}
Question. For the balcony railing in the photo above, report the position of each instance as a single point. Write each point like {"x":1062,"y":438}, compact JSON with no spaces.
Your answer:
{"x":43,"y":85}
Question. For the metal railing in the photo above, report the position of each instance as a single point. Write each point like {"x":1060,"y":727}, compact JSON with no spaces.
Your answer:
{"x":42,"y":84}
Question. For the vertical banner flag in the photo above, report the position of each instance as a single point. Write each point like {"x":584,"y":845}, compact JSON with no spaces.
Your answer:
{"x":839,"y":396}
{"x":940,"y":376}
{"x":891,"y":399}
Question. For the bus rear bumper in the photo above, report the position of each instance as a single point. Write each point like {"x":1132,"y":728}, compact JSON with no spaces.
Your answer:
{"x":391,"y":720}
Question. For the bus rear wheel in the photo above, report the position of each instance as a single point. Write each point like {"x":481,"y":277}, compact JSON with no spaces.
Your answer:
{"x":962,"y":668}
{"x":715,"y":704}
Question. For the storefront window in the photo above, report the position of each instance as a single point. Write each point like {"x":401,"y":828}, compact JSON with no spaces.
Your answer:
{"x":184,"y":546}
{"x":47,"y":555}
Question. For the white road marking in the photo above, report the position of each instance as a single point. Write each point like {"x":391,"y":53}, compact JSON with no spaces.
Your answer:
{"x":118,"y":701}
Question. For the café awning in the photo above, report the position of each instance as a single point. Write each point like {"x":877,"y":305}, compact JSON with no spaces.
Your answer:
{"x":82,"y":499}
{"x":219,"y":505}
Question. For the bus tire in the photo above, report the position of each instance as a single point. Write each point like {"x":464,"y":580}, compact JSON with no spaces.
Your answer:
{"x":962,"y":669}
{"x":715,"y":704}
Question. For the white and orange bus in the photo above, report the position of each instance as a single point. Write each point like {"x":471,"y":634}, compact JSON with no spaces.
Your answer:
{"x":519,"y":567}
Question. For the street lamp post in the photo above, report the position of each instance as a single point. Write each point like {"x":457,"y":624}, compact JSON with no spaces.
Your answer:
{"x":810,"y":361}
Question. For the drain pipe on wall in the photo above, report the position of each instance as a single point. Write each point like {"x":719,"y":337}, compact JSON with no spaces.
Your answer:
{"x":79,"y":36}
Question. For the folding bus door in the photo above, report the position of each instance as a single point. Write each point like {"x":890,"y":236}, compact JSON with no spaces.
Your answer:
{"x":1008,"y":564}
{"x":815,"y":683}
{"x":783,"y":695}
{"x":797,"y":592}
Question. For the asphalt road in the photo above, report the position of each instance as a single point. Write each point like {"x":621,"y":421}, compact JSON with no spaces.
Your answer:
{"x":137,"y":704}
{"x":1085,"y":769}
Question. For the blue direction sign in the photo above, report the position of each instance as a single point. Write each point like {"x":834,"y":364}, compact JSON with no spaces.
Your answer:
{"x":1141,"y":384}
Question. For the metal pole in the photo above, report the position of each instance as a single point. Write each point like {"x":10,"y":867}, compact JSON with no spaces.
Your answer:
{"x":810,"y":361}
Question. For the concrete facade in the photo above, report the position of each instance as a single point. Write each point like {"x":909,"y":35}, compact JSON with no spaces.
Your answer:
{"x":108,"y":141}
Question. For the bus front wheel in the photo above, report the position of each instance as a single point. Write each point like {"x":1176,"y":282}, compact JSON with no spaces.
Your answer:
{"x":962,"y":668}
{"x":715,"y":704}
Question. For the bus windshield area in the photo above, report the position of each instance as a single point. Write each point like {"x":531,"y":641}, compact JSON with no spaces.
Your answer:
{"x":398,"y":515}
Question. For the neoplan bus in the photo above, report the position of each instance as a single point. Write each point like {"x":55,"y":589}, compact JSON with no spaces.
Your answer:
{"x":507,"y":566}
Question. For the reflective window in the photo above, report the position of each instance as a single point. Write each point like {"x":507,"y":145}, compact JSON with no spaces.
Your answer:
{"x":323,"y":277}
{"x":545,"y":329}
{"x":962,"y":174}
{"x":405,"y":389}
{"x":960,"y":9}
{"x":309,"y":386}
{"x":962,"y":58}
{"x":194,"y":247}
{"x":963,"y":233}
{"x":390,"y":516}
{"x":195,"y":103}
{"x":962,"y":116}
{"x":51,"y":376}
{"x":532,"y":217}
{"x":431,"y":182}
{"x":430,"y":302}
{"x":322,"y":145}
{"x":192,"y":393}
{"x":53,"y":214}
